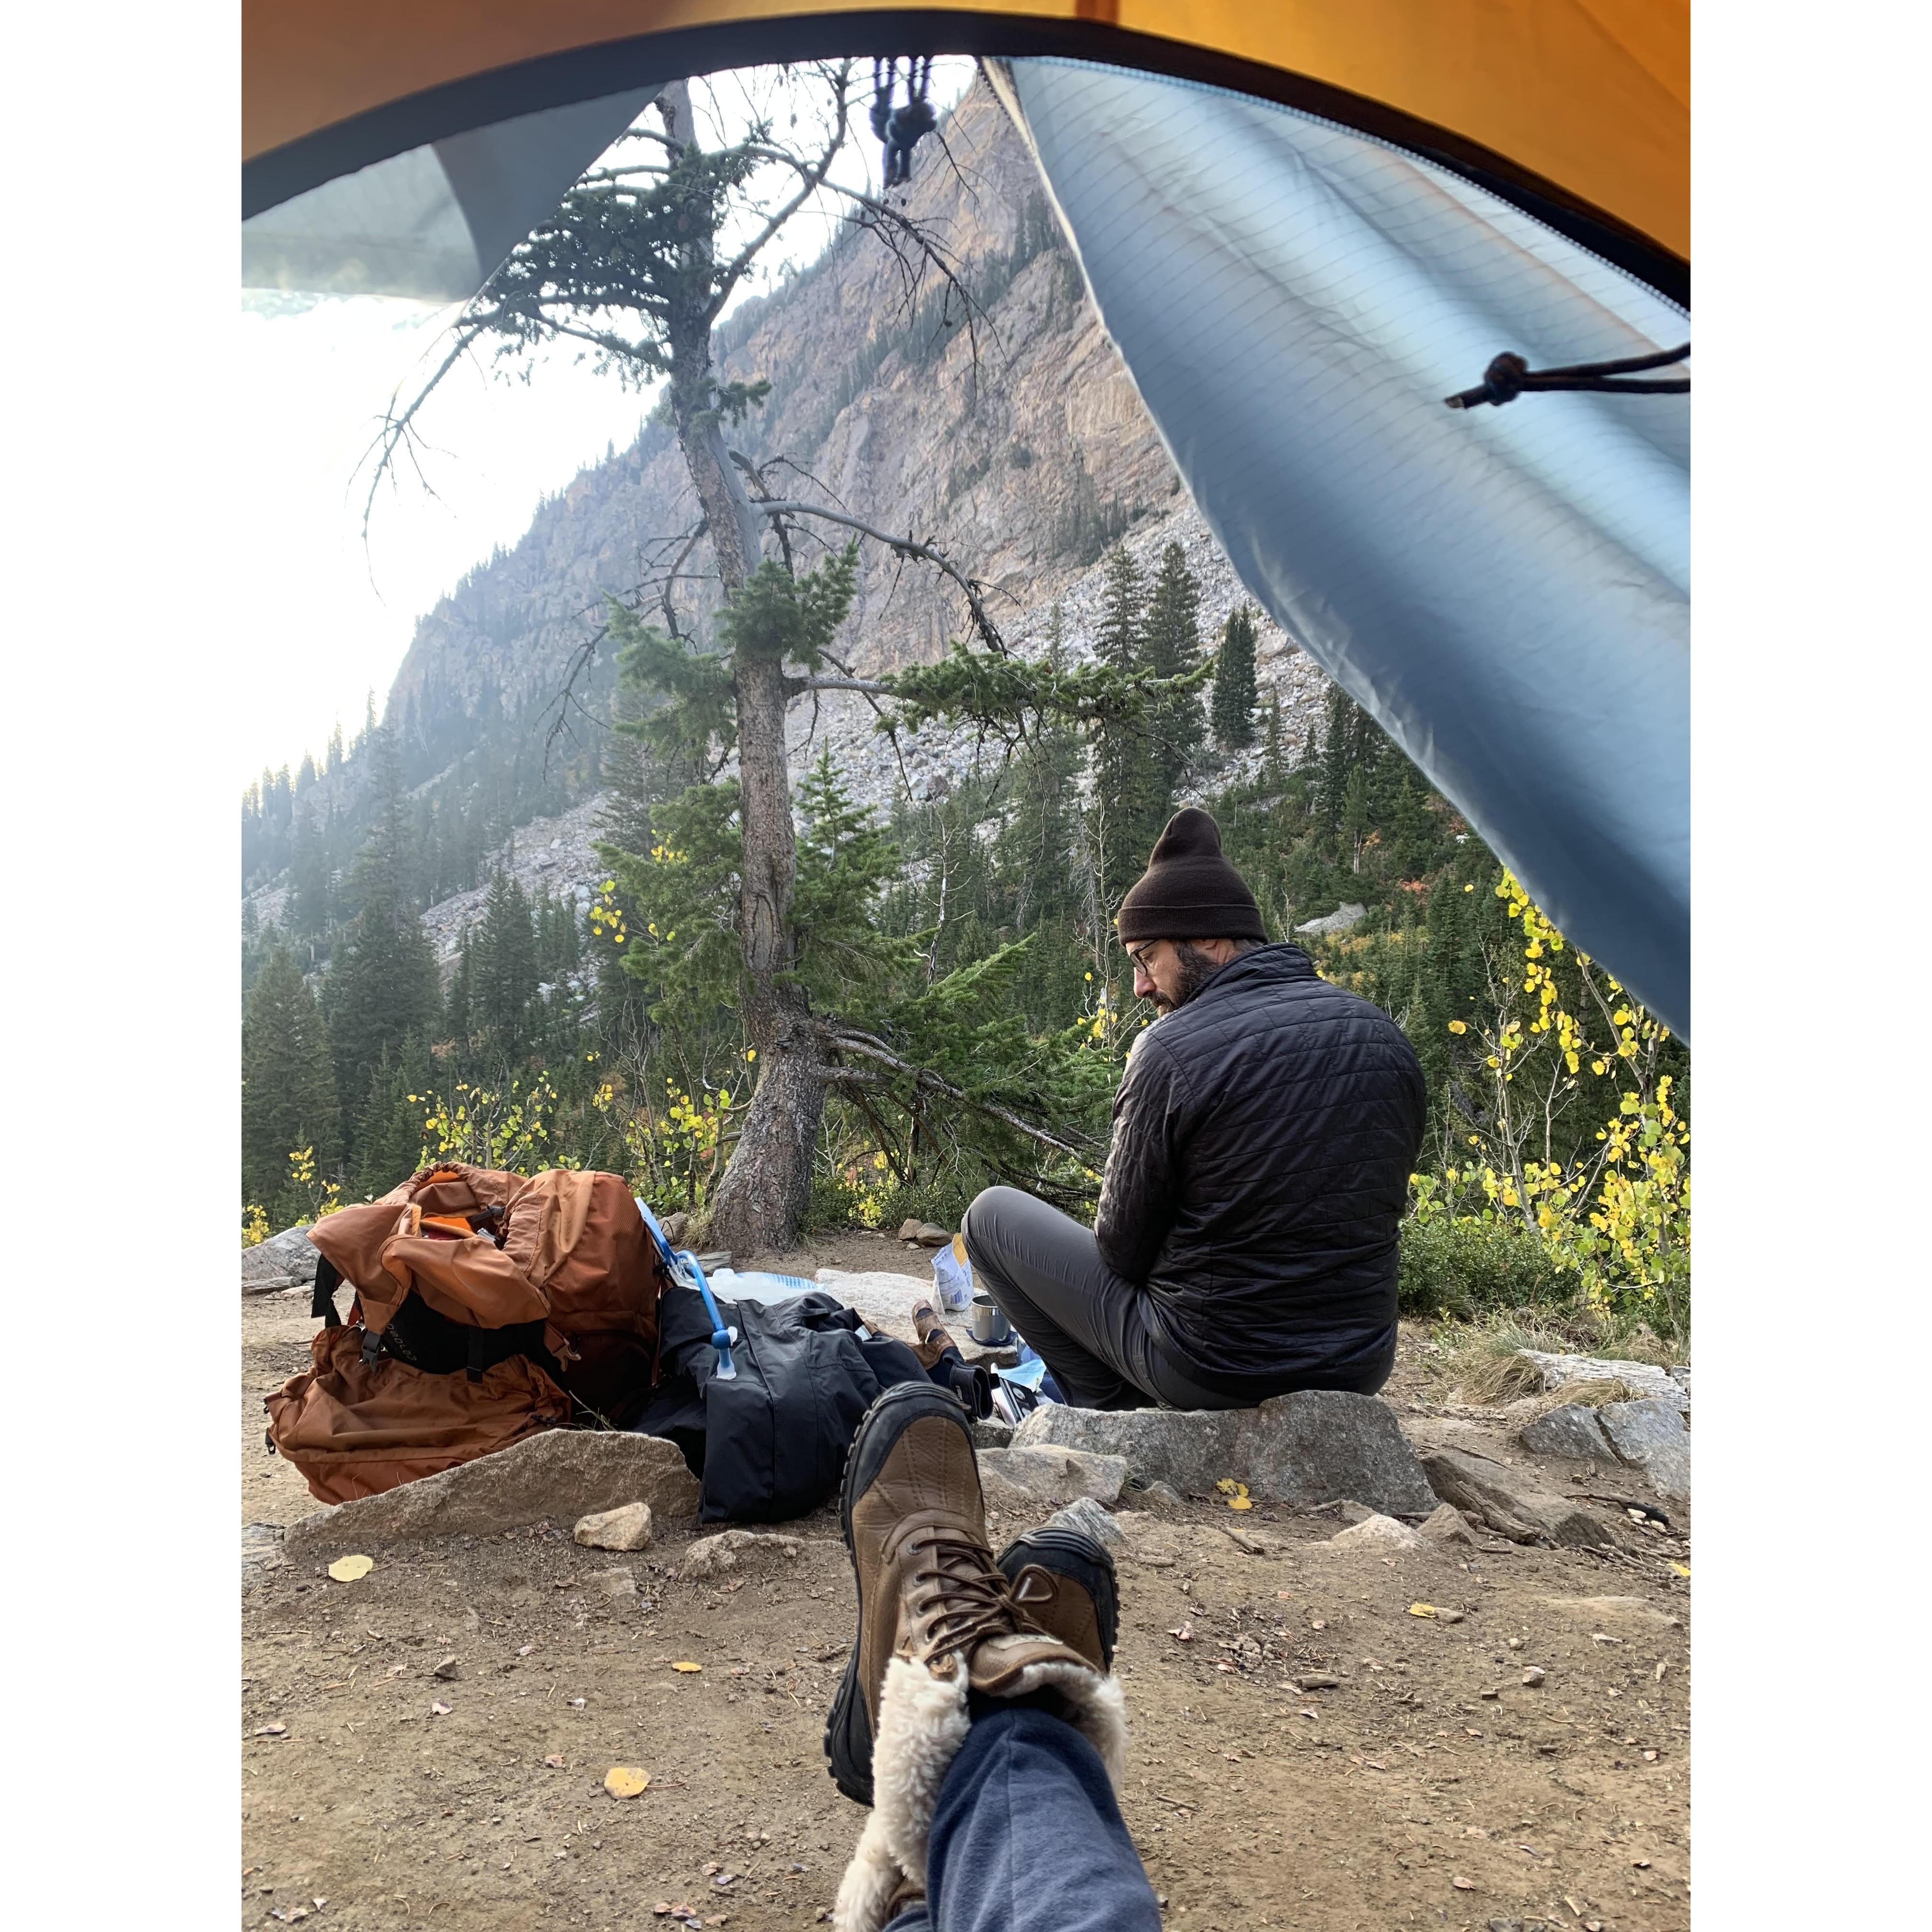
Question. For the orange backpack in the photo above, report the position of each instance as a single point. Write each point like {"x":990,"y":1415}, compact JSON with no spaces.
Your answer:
{"x":562,"y":1254}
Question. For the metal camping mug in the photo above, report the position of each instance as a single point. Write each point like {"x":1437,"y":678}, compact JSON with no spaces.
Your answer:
{"x":989,"y":1326}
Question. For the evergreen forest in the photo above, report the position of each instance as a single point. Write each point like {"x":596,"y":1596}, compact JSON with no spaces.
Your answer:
{"x":969,"y":936}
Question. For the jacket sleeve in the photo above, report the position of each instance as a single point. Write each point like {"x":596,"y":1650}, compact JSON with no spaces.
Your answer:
{"x":1137,"y":1193}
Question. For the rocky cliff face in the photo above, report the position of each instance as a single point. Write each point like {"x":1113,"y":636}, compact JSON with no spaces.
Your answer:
{"x":1018,"y":445}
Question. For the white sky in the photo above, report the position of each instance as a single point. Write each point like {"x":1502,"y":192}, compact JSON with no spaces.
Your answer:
{"x":324,"y":620}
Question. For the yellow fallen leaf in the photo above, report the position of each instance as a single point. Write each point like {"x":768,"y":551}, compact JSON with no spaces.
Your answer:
{"x":1682,"y":1569}
{"x":1422,"y":1609}
{"x":625,"y":1780}
{"x":1239,"y":1502}
{"x":351,"y":1569}
{"x":1236,"y":1493}
{"x":687,"y":1666}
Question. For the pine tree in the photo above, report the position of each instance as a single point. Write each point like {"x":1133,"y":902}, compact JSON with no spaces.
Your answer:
{"x":504,"y":966}
{"x":456,"y":1023}
{"x":288,"y":1092}
{"x":1129,"y":794}
{"x":1172,"y":649}
{"x":308,"y":880}
{"x":1233,"y":708}
{"x":383,"y":986}
{"x":1035,"y":848}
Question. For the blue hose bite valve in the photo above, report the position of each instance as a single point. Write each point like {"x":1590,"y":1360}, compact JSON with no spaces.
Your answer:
{"x":681,"y":1264}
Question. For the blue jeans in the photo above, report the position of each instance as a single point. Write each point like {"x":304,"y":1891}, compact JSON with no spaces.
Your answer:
{"x":1027,"y":1838}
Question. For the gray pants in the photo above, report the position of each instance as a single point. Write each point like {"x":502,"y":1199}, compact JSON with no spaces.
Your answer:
{"x":1088,"y":1324}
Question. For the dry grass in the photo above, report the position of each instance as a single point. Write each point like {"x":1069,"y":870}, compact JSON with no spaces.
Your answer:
{"x":1479,"y":1363}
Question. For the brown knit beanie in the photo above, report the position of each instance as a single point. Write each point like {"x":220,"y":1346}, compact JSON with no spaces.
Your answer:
{"x":1189,"y":891}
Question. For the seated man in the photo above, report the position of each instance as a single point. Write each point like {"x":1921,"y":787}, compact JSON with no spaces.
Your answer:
{"x":1264,"y":1136}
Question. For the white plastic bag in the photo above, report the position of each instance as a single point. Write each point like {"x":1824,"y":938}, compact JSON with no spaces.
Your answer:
{"x":952,"y":1277}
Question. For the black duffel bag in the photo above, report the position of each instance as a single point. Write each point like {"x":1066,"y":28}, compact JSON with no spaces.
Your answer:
{"x":770,"y":1444}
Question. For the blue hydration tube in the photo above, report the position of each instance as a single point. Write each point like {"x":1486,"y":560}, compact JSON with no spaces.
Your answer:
{"x":682,"y":1265}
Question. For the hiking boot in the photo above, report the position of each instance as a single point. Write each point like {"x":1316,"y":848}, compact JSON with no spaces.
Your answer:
{"x":1063,"y":1581}
{"x":934,"y":1339}
{"x":939,"y":1638}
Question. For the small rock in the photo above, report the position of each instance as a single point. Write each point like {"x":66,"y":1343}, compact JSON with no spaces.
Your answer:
{"x":627,"y":1528}
{"x":290,"y":1255}
{"x":618,"y":1585}
{"x":1012,"y":1477}
{"x":1156,"y":1495}
{"x":1378,"y":1532}
{"x":1571,"y":1430}
{"x":992,"y":1433}
{"x":709,"y":1556}
{"x":447,"y":1667}
{"x":1650,"y":1436}
{"x":1510,"y":1501}
{"x":1533,"y":1678}
{"x":1447,"y":1524}
{"x":1084,"y":1513}
{"x":1317,"y":1680}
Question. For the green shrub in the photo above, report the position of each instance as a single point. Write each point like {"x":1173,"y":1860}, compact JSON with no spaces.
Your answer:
{"x":1467,"y":1268}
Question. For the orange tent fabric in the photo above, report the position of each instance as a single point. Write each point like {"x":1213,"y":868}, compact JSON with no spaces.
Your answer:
{"x":1586,"y":102}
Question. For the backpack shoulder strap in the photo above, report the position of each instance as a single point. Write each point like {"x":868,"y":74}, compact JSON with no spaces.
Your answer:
{"x":322,"y":1303}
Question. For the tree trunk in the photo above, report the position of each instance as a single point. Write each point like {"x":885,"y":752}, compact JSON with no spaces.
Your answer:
{"x":761,"y":1199}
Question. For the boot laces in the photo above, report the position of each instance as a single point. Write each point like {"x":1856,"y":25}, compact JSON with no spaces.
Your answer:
{"x":969,"y":1598}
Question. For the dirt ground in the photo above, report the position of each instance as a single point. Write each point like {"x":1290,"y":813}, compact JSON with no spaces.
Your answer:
{"x":1429,"y":1786}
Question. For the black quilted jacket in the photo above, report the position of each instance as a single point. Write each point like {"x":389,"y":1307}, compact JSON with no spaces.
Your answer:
{"x":1264,"y":1136}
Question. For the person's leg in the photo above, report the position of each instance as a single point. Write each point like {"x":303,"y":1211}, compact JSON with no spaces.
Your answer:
{"x":1088,"y":1324}
{"x":1027,"y":1834}
{"x":1045,"y":1271}
{"x":942,"y":1644}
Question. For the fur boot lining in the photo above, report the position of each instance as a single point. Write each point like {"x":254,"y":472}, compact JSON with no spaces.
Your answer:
{"x":865,"y":1891}
{"x":1098,"y":1708}
{"x":923,"y":1723}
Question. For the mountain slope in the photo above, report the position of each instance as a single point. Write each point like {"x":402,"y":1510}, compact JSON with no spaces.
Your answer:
{"x":1019,"y":444}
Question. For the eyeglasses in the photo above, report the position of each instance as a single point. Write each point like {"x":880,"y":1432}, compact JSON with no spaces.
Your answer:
{"x":1139,"y":956}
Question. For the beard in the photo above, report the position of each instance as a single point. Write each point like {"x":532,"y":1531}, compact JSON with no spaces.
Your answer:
{"x":1196,"y":969}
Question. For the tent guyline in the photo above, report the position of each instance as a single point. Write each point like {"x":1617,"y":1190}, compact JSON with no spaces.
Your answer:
{"x":901,"y":129}
{"x":1509,"y":376}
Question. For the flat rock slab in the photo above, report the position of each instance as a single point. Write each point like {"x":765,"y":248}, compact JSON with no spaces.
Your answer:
{"x":1314,"y":1447}
{"x":1049,"y":1475}
{"x":1510,"y":1501}
{"x":291,"y":1253}
{"x":561,"y":1474}
{"x":1670,"y":1385}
